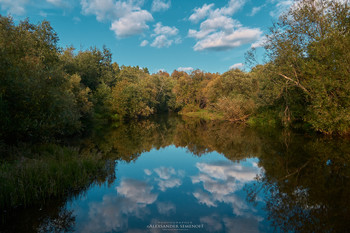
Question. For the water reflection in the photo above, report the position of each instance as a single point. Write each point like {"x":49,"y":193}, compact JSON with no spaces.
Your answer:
{"x":305,"y":183}
{"x":229,"y":178}
{"x":112,"y":213}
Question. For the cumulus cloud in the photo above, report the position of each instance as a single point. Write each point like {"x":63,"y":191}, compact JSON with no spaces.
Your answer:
{"x":165,"y":30}
{"x":165,"y":172}
{"x":113,"y":212}
{"x":185,"y":69}
{"x":127,"y":18}
{"x":137,"y":191}
{"x":204,"y":198}
{"x":165,"y":36}
{"x":132,"y":24}
{"x":200,"y":13}
{"x":161,"y":41}
{"x":16,"y":7}
{"x":223,"y":170}
{"x":219,"y":31}
{"x":168,"y":177}
{"x":237,"y":66}
{"x":102,"y":9}
{"x":214,"y":186}
{"x":169,"y":183}
{"x":221,"y":181}
{"x":159,"y":5}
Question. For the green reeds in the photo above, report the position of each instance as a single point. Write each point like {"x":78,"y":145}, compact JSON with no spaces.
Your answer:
{"x":49,"y":171}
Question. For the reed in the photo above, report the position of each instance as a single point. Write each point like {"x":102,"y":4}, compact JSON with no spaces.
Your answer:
{"x":43,"y":172}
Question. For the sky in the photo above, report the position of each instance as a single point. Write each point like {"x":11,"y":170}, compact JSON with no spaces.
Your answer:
{"x":158,"y":34}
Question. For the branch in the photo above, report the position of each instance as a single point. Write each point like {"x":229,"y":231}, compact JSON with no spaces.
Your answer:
{"x":295,"y":172}
{"x":296,"y":83}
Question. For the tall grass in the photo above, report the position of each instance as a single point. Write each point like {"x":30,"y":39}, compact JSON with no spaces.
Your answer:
{"x":41,"y":172}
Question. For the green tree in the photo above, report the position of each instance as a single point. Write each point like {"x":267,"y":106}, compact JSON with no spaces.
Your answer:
{"x":36,"y":99}
{"x":309,"y":59}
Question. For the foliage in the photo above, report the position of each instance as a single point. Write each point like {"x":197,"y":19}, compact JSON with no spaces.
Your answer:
{"x":48,"y":92}
{"x":235,"y":109}
{"x":36,"y":98}
{"x":309,"y":61}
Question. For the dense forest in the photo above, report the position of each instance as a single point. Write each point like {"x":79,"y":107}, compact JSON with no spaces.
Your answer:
{"x":47,"y":92}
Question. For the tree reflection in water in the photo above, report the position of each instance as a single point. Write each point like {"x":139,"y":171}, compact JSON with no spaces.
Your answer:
{"x":304,"y":183}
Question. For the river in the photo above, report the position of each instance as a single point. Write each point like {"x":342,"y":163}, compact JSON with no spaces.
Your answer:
{"x":181,"y":174}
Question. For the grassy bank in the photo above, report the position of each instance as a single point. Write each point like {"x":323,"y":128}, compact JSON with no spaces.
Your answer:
{"x":204,"y":114}
{"x":37,"y":173}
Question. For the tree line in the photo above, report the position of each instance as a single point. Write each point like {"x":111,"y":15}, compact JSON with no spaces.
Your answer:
{"x":48,"y":92}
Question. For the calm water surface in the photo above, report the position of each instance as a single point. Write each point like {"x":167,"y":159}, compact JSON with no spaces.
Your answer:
{"x":182,"y":175}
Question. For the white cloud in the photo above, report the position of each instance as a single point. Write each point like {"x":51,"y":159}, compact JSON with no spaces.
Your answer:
{"x":147,"y":171}
{"x":164,"y":36}
{"x":165,"y":172}
{"x":168,"y":178}
{"x":113,"y":213}
{"x":16,"y":7}
{"x":214,"y":186}
{"x":186,"y":69}
{"x":168,"y":183}
{"x":200,"y":13}
{"x":259,"y":43}
{"x":159,"y":5}
{"x":131,"y":24}
{"x":280,"y":7}
{"x":237,"y":66}
{"x":161,"y":42}
{"x":165,"y":30}
{"x":137,"y":191}
{"x":127,"y":18}
{"x":102,"y":9}
{"x":204,"y":198}
{"x":232,"y":7}
{"x":255,"y":10}
{"x":223,"y":41}
{"x":219,"y":31}
{"x":60,"y":3}
{"x":221,"y":181}
{"x":225,"y":170}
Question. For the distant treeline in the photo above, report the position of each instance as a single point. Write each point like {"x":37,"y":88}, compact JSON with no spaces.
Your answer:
{"x":48,"y":92}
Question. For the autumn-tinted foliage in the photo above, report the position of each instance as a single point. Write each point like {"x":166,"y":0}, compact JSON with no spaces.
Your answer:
{"x":47,"y":91}
{"x":309,"y":60}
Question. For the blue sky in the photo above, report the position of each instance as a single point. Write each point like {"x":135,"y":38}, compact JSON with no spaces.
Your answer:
{"x":159,"y":34}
